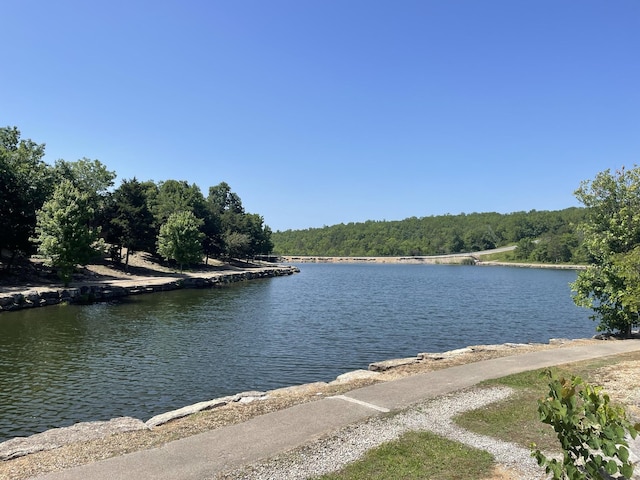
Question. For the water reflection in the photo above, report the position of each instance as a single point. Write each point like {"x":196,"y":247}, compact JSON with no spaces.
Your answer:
{"x":149,"y":354}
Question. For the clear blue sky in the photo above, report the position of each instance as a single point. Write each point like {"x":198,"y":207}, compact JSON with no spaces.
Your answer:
{"x":321,"y":112}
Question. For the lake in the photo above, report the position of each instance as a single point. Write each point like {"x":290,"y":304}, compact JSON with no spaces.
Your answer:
{"x":149,"y":354}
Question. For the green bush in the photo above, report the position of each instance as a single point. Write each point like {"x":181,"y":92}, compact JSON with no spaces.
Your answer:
{"x":592,"y":431}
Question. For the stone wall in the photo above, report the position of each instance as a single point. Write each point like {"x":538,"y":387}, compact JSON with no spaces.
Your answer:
{"x":101,"y":292}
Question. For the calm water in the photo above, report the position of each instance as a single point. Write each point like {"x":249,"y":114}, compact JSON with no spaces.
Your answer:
{"x":149,"y":354}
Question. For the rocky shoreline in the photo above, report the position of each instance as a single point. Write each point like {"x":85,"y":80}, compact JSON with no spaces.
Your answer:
{"x":377,"y":371}
{"x":110,"y":290}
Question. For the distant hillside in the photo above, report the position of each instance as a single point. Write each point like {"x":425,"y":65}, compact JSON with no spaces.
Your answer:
{"x":547,"y":236}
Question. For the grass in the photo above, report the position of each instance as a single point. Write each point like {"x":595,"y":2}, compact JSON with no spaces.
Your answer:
{"x":516,"y":418}
{"x":423,"y":455}
{"x":508,"y":256}
{"x":419,"y":455}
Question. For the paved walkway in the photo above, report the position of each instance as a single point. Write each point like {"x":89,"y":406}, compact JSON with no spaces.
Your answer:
{"x":207,"y":454}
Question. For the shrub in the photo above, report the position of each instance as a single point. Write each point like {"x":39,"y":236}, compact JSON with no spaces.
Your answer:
{"x":592,"y":432}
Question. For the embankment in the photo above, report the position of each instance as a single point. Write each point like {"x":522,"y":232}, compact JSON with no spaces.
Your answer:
{"x":101,"y":291}
{"x":456,"y":259}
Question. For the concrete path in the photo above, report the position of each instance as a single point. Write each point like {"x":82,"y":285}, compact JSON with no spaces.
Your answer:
{"x":204,"y":455}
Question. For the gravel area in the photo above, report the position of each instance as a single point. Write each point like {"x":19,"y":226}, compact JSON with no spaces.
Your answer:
{"x":350,"y":443}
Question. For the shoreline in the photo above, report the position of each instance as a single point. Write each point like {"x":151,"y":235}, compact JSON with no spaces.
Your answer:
{"x":381,"y":371}
{"x":106,"y":289}
{"x":453,"y":259}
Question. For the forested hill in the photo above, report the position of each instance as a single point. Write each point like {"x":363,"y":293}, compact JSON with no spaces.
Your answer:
{"x":547,"y":236}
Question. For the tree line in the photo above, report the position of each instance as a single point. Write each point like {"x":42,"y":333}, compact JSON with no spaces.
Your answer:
{"x":542,"y":236}
{"x":69,"y":212}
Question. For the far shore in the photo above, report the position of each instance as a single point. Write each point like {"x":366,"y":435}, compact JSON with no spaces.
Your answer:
{"x":453,"y":259}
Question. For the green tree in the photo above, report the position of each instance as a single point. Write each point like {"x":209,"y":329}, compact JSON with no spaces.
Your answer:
{"x":237,"y":244}
{"x":213,"y":243}
{"x":246,"y":231}
{"x":174,"y":196}
{"x":128,"y":221}
{"x":87,"y":175}
{"x":224,"y":200}
{"x":25,"y":184}
{"x":63,"y":229}
{"x":90,"y":177}
{"x":611,"y":237}
{"x":524,"y":249}
{"x":258,"y":233}
{"x":180,"y":239}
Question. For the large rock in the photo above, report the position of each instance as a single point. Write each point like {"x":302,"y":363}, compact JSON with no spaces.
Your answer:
{"x":443,"y":355}
{"x":57,"y":437}
{"x":185,"y":411}
{"x":354,"y":376}
{"x":244,"y":397}
{"x":393,"y":363}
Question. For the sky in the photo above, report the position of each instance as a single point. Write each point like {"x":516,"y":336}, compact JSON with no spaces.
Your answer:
{"x":320,"y":112}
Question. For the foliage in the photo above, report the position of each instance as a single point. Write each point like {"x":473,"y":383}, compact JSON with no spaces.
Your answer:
{"x":173,"y":196}
{"x":180,"y":239}
{"x":236,"y":244}
{"x":25,"y":184}
{"x":63,"y":229}
{"x":590,"y":429}
{"x":89,"y":176}
{"x":130,"y":216}
{"x":128,"y":220}
{"x":243,"y":234}
{"x":555,"y":233}
{"x":611,"y":233}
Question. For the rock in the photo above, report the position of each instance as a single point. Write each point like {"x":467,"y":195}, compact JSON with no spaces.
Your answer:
{"x":355,"y":375}
{"x":6,"y":300}
{"x":300,"y":389}
{"x":443,"y":355}
{"x":498,"y":347}
{"x":387,"y":364}
{"x":57,"y":437}
{"x":188,"y":410}
{"x":605,"y":336}
{"x":248,"y":397}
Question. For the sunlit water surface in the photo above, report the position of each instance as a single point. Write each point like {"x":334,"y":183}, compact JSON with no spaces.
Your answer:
{"x":153,"y":353}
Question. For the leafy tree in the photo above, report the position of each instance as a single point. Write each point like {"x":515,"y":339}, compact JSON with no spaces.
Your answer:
{"x":174,"y":196}
{"x":128,"y":220}
{"x":246,"y":231}
{"x":213,"y":243}
{"x":259,"y":234}
{"x":25,"y":184}
{"x":224,"y":200}
{"x":180,"y":239}
{"x":611,"y":237}
{"x":524,"y":249}
{"x":237,"y":244}
{"x":89,"y":176}
{"x":63,"y":230}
